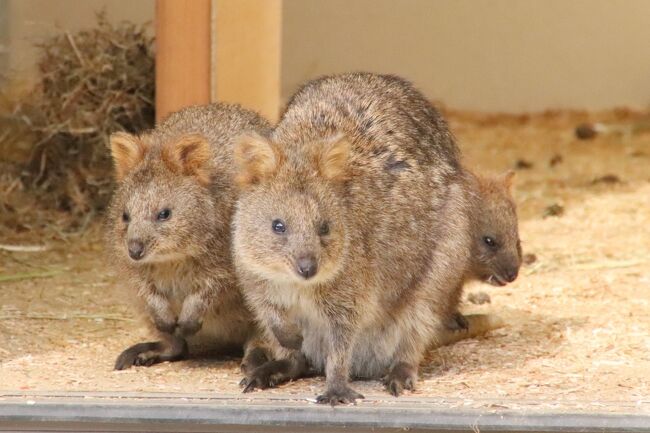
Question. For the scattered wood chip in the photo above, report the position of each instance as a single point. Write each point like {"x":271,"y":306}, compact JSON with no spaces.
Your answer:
{"x":522,"y":164}
{"x":529,"y":259}
{"x":609,"y":179}
{"x":555,"y":160}
{"x":586,"y":131}
{"x":554,"y":210}
{"x":479,"y":298}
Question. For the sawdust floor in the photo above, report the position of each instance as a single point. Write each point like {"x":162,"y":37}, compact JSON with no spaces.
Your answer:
{"x":578,"y":318}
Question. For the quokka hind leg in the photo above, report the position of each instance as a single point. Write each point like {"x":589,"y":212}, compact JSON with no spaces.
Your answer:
{"x":276,"y":371}
{"x":403,"y":373}
{"x":169,"y":349}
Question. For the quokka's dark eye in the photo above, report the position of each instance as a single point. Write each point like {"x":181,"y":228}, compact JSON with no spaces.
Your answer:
{"x":324,"y":229}
{"x":164,"y":215}
{"x":125,"y":217}
{"x":490,"y":242}
{"x":278,"y":226}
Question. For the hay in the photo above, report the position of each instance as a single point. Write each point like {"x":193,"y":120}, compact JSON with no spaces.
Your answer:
{"x":91,"y":83}
{"x":29,"y":275}
{"x":23,"y":248}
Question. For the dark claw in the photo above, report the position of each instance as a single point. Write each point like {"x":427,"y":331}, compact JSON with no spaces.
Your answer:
{"x":260,"y":378}
{"x":131,"y":356}
{"x":457,"y":322}
{"x":269,"y":375}
{"x":144,"y":360}
{"x":396,"y":387}
{"x":124,"y":361}
{"x":345,"y":395}
{"x":255,"y":383}
{"x":401,"y":377}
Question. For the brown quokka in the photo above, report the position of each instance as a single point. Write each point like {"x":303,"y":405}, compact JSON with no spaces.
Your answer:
{"x":496,"y":248}
{"x":352,"y":227}
{"x":169,"y":231}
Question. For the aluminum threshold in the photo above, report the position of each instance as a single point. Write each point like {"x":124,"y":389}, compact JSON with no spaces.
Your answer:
{"x":139,"y":412}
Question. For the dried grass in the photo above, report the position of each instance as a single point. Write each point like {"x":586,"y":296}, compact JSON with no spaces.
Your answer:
{"x":91,"y":83}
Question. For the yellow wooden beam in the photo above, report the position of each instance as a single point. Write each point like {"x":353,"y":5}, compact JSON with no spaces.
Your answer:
{"x":247,"y":54}
{"x":183,"y":54}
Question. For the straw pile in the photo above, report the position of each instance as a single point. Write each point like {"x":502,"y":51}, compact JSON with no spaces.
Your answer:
{"x":91,"y":83}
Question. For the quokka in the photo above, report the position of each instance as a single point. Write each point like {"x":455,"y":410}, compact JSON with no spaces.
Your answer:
{"x":169,"y":233}
{"x":352,"y":228}
{"x":496,"y":248}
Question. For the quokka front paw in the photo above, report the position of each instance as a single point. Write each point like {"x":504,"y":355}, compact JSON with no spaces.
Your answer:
{"x":339,"y":395}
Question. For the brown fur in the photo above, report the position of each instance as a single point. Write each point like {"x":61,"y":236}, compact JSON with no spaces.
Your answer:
{"x":369,"y":188}
{"x":495,"y":216}
{"x":184,"y":278}
{"x":259,"y":159}
{"x":127,"y":152}
{"x":189,"y":156}
{"x":332,"y":159}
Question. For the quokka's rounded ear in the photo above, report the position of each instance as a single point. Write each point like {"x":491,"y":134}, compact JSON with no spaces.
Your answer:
{"x":255,"y":157}
{"x":189,"y":155}
{"x":509,"y":179}
{"x":332,"y":158}
{"x":127,"y":151}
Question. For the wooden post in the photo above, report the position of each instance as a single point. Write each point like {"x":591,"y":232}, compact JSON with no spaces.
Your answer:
{"x":247,"y":54}
{"x":183,"y":54}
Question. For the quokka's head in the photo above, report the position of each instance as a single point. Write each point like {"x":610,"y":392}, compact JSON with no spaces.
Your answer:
{"x":497,"y":248}
{"x":161,"y":208}
{"x":290,"y":222}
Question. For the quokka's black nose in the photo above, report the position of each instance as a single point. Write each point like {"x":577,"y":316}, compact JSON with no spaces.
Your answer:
{"x":136,"y":250}
{"x":511,"y":274}
{"x":306,"y":267}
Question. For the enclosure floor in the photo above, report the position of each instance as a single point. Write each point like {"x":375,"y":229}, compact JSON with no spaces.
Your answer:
{"x":578,"y":318}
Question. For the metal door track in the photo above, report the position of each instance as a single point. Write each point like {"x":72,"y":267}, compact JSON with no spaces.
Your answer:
{"x":138,"y":412}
